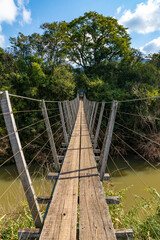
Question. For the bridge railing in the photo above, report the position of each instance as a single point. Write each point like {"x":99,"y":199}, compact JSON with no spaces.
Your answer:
{"x":115,"y":128}
{"x":37,"y":131}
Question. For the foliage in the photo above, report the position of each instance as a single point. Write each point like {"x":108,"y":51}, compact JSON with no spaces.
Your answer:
{"x":94,"y":38}
{"x":10,"y":224}
{"x":91,"y":52}
{"x":143,"y":218}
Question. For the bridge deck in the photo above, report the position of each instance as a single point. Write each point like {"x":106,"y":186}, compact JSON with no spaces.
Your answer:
{"x":94,"y":218}
{"x":78,"y":176}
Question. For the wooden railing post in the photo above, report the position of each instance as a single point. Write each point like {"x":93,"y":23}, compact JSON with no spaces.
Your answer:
{"x":99,"y":125}
{"x":74,"y":109}
{"x":108,"y":138}
{"x":72,"y":113}
{"x":69,"y":116}
{"x":20,"y":159}
{"x":50,"y":136}
{"x":66,"y":117}
{"x":89,"y":109}
{"x":91,"y":118}
{"x":94,"y":118}
{"x":63,"y":123}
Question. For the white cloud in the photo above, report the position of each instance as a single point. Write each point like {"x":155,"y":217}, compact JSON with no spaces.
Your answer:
{"x":151,"y":47}
{"x":145,"y":18}
{"x":2,"y":40}
{"x":26,"y":15}
{"x":8,"y":11}
{"x":119,"y":9}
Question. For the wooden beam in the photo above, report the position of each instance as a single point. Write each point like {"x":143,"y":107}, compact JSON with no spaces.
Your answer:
{"x":71,"y":113}
{"x":124,"y":234}
{"x":50,"y":136}
{"x":91,"y":119}
{"x":94,"y":117}
{"x":66,"y":117}
{"x":99,"y":125}
{"x":29,"y":233}
{"x":97,"y":158}
{"x":112,"y":200}
{"x":69,"y":116}
{"x":106,"y":177}
{"x":96,"y":151}
{"x":43,"y":200}
{"x":63,"y":123}
{"x":53,"y":175}
{"x":62,"y":150}
{"x":20,"y":158}
{"x":63,"y":145}
{"x":60,"y":158}
{"x":108,"y":137}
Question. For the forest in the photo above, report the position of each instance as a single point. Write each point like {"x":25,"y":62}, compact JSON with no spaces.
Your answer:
{"x":92,"y":52}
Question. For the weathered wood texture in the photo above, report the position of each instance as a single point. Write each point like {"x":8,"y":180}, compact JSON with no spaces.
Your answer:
{"x":28,"y":233}
{"x":63,"y":123}
{"x":50,"y":136}
{"x":124,"y":234}
{"x":61,"y":220}
{"x":108,"y":138}
{"x":94,"y":117}
{"x":20,"y":158}
{"x":94,"y":218}
{"x":99,"y":125}
{"x":78,"y":176}
{"x":91,"y":119}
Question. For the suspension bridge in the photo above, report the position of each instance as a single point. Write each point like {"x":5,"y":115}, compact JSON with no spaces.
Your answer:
{"x":77,"y":207}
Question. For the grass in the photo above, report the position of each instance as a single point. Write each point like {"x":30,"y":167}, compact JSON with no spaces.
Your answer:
{"x":143,"y":218}
{"x":10,"y":224}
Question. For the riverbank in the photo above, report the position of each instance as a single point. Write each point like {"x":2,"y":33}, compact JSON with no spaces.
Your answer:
{"x":144,"y":228}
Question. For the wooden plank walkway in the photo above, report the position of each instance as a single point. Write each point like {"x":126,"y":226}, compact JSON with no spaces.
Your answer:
{"x":78,"y":176}
{"x":94,"y":218}
{"x":61,"y":220}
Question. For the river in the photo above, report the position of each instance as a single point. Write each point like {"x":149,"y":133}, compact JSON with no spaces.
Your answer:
{"x":11,"y":192}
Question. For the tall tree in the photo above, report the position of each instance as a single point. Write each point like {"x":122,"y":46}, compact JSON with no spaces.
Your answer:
{"x":93,"y":38}
{"x":53,"y":41}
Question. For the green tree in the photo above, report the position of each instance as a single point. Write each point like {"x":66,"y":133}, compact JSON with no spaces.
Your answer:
{"x":53,"y":41}
{"x":62,"y":83}
{"x":93,"y":38}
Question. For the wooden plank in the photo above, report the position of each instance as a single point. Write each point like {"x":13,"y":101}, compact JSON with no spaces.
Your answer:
{"x":20,"y":158}
{"x":61,"y":220}
{"x":94,"y":218}
{"x":99,"y":125}
{"x":50,"y":136}
{"x":29,"y":233}
{"x":94,"y":118}
{"x":124,"y":234}
{"x":69,"y":116}
{"x":91,"y":119}
{"x":52,"y":175}
{"x":66,"y":117}
{"x":108,"y":138}
{"x":71,"y":113}
{"x":43,"y":200}
{"x":63,"y":123}
{"x":112,"y":200}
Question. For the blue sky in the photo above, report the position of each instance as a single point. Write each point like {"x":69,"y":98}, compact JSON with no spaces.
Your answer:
{"x":141,"y":17}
